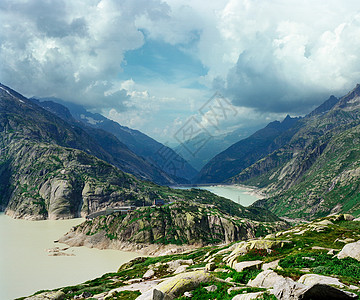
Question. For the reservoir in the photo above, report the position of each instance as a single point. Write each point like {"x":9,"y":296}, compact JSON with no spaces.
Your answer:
{"x":25,"y":266}
{"x":237,"y":193}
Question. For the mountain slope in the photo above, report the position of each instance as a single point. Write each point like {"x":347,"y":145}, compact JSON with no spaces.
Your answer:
{"x":318,"y":171}
{"x":121,"y":155}
{"x":48,"y":170}
{"x":200,"y":156}
{"x":142,"y":145}
{"x":247,"y":151}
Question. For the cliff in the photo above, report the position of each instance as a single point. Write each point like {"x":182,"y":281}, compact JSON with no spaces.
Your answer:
{"x":180,"y":223}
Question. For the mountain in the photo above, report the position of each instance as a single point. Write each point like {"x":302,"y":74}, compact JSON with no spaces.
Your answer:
{"x":247,"y":151}
{"x":51,"y":169}
{"x":121,"y":155}
{"x":318,"y":171}
{"x":200,"y":156}
{"x":155,"y":153}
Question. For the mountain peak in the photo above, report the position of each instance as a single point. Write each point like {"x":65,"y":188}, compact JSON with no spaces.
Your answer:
{"x":351,"y":101}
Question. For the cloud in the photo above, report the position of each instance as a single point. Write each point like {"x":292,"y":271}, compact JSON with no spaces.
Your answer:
{"x":69,"y":49}
{"x":267,"y":57}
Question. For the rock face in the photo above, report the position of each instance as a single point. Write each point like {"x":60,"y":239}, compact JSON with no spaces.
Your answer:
{"x":178,"y":223}
{"x":244,"y":153}
{"x":313,"y":174}
{"x":350,"y":250}
{"x":177,"y":285}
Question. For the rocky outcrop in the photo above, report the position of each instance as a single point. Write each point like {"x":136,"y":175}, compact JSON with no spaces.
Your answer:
{"x":181,"y":223}
{"x":350,"y":250}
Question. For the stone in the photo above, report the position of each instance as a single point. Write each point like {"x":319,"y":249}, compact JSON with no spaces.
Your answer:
{"x":210,"y":266}
{"x":287,"y":289}
{"x":181,"y":283}
{"x":188,"y":294}
{"x":58,"y":295}
{"x":248,"y":265}
{"x":173,"y":265}
{"x":181,"y":269}
{"x":266,"y":279}
{"x":311,"y":279}
{"x":154,"y":294}
{"x":271,"y":265}
{"x":350,"y":250}
{"x":249,"y":296}
{"x":211,"y":288}
{"x":148,"y":274}
{"x":323,"y":291}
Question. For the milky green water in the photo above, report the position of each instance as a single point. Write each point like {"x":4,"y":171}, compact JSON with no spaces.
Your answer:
{"x":25,"y":266}
{"x":239,"y":194}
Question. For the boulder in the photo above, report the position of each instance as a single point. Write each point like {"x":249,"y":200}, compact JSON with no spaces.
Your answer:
{"x":266,"y":279}
{"x":176,"y":286}
{"x":58,"y":295}
{"x":148,"y":274}
{"x":181,"y":269}
{"x":249,"y":296}
{"x":271,"y":265}
{"x":211,"y":288}
{"x":154,"y":294}
{"x":311,"y":279}
{"x":287,"y":289}
{"x":210,"y":266}
{"x":246,"y":265}
{"x":350,"y":250}
{"x":173,"y":265}
{"x":326,"y":292}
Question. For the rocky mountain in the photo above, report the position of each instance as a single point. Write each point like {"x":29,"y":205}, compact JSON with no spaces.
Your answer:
{"x":317,"y":260}
{"x":155,"y":153}
{"x":50,"y":168}
{"x":317,"y":172}
{"x":179,"y":223}
{"x":247,"y":151}
{"x":121,"y":155}
{"x":199,"y":156}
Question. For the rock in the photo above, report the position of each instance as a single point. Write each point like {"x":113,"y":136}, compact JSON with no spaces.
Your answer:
{"x":311,"y":279}
{"x":210,"y":266}
{"x":234,"y":288}
{"x":249,"y":296}
{"x":322,"y":291}
{"x":246,"y":265}
{"x":211,"y":288}
{"x":181,"y":269}
{"x":132,"y":262}
{"x":154,"y":294}
{"x":346,"y":217}
{"x":181,"y":283}
{"x":188,"y":294}
{"x":58,"y":295}
{"x":350,"y":250}
{"x":148,"y":274}
{"x":173,"y":265}
{"x":266,"y":279}
{"x":271,"y":265}
{"x":287,"y":289}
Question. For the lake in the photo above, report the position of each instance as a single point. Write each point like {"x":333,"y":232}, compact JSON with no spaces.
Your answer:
{"x":237,"y":193}
{"x":25,"y":266}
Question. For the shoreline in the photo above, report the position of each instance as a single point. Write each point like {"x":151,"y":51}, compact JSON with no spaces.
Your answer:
{"x":101,"y":242}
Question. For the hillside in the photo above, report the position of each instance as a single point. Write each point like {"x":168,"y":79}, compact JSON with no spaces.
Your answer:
{"x":179,"y":223}
{"x":247,"y":151}
{"x":317,"y":171}
{"x":155,"y":153}
{"x":317,"y":260}
{"x":200,"y":156}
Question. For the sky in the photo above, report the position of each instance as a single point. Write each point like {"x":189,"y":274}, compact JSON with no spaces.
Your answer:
{"x":156,"y":65}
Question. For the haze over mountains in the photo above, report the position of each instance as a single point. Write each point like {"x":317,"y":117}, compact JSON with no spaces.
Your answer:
{"x":155,"y":153}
